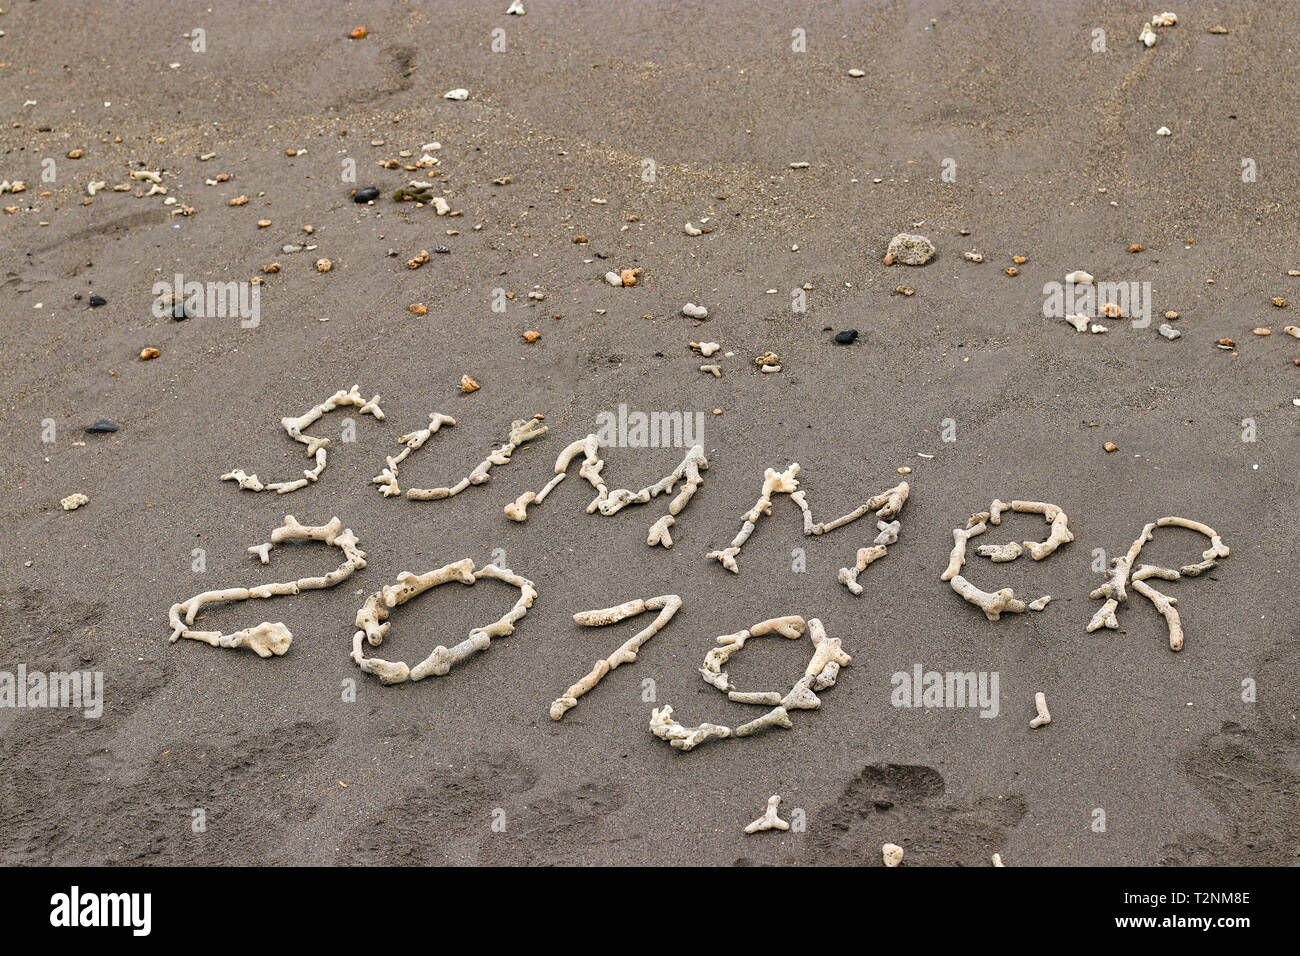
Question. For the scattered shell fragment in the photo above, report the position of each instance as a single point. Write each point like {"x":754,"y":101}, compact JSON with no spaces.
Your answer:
{"x":468,"y":384}
{"x":358,"y":34}
{"x":324,"y":265}
{"x":1279,"y":302}
{"x":74,"y":501}
{"x":857,"y":74}
{"x":1135,"y":248}
{"x":1293,"y":331}
{"x":1110,"y":446}
{"x":769,"y":820}
{"x":149,"y":353}
{"x":1164,"y":131}
{"x":1040,"y":704}
{"x":1079,"y":277}
{"x":532,"y":335}
{"x":456,"y":94}
{"x":418,"y":308}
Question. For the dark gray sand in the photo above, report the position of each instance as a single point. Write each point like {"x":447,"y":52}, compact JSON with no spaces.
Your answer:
{"x":1057,"y":159}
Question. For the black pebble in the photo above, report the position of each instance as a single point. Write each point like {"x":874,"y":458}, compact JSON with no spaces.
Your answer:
{"x":366,"y":194}
{"x":97,"y":300}
{"x":441,"y":250}
{"x":659,"y":355}
{"x":846,"y":337}
{"x":101,"y":427}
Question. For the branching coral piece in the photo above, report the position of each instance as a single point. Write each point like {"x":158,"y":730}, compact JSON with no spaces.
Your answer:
{"x":715,"y":660}
{"x":1164,"y":604}
{"x":823,"y":669}
{"x":372,"y":619}
{"x":769,"y":820}
{"x":996,"y":603}
{"x":520,"y":432}
{"x":957,"y":559}
{"x":1059,"y":535}
{"x":774,"y":482}
{"x":1040,"y":704}
{"x":993,"y":604}
{"x":611,"y":502}
{"x":776,"y":717}
{"x":267,"y":639}
{"x":828,"y":656}
{"x":682,"y":738}
{"x":387,"y":479}
{"x":667,"y":605}
{"x":1217,"y":548}
{"x":1121,"y":573}
{"x":315,"y":446}
{"x":886,"y":505}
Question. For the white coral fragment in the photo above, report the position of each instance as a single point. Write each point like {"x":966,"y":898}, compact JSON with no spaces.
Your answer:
{"x":520,"y":431}
{"x":666,"y":604}
{"x":315,"y":446}
{"x":372,"y":619}
{"x":679,"y":737}
{"x":267,"y":639}
{"x":769,"y":820}
{"x":1040,"y":704}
